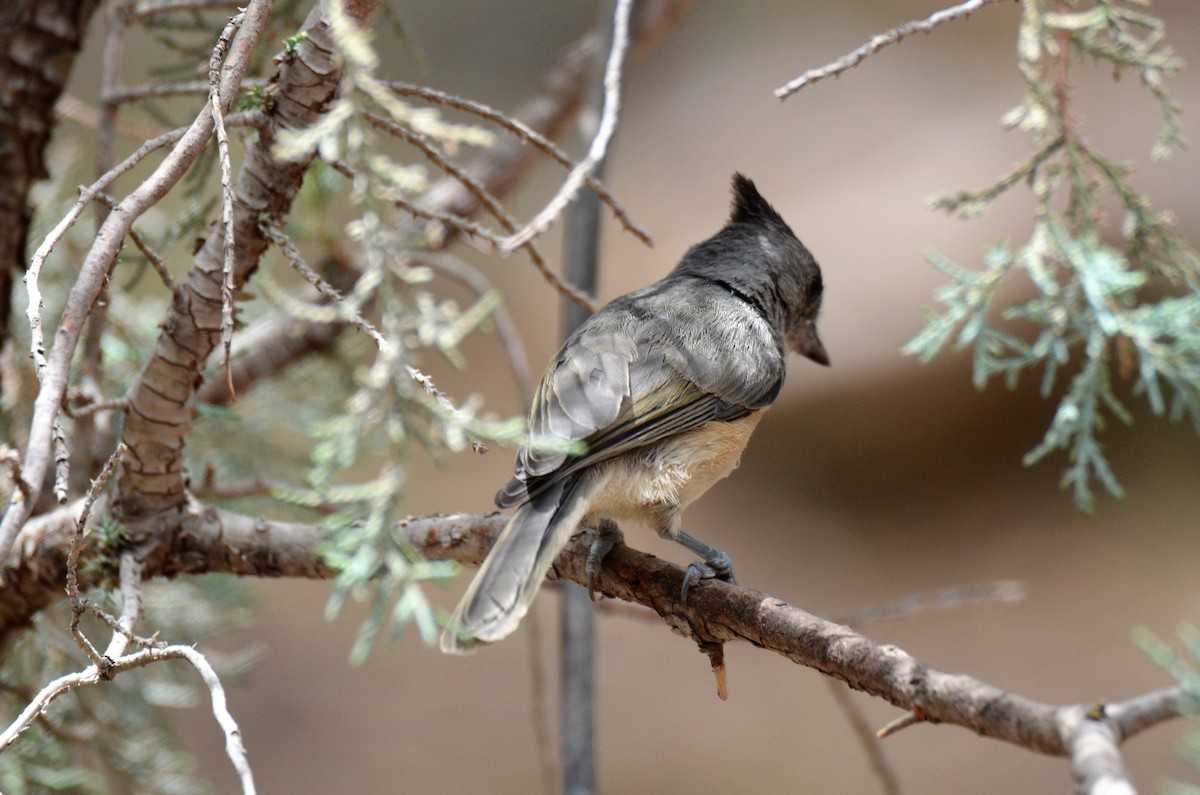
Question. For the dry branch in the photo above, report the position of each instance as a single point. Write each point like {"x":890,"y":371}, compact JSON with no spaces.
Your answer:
{"x":877,"y":43}
{"x":599,"y":146}
{"x":195,"y":538}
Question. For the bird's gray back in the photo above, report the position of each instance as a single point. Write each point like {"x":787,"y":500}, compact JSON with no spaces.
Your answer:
{"x":683,"y":343}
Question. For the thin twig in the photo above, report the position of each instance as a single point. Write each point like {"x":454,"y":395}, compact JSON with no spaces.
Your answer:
{"x":1001,"y":590}
{"x":90,"y":433}
{"x":506,"y":329}
{"x":276,"y":235}
{"x":62,"y":462}
{"x":78,"y":604}
{"x":11,"y":457}
{"x":93,"y":674}
{"x":191,"y":88}
{"x":150,"y":8}
{"x":564,"y":288}
{"x":211,"y":490}
{"x":152,"y":256}
{"x":867,"y":738}
{"x":532,"y":136}
{"x":37,"y":342}
{"x":878,"y":42}
{"x":448,"y":219}
{"x":214,"y":82}
{"x":88,"y":409}
{"x":443,"y":401}
{"x":234,"y":748}
{"x":73,"y":109}
{"x":131,"y":606}
{"x":608,"y":123}
{"x":942,"y":599}
{"x":86,"y":197}
{"x":903,"y":722}
{"x":978,"y":199}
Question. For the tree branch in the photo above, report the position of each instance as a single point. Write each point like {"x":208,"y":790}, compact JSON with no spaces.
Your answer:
{"x":604,"y":132}
{"x":53,"y":371}
{"x":878,"y":42}
{"x":195,"y":538}
{"x":159,"y":416}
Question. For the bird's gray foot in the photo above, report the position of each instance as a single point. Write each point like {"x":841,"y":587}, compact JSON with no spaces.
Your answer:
{"x":716,"y":564}
{"x":607,"y":536}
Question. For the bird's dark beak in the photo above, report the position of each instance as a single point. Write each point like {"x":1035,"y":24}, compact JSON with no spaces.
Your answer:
{"x":808,"y":344}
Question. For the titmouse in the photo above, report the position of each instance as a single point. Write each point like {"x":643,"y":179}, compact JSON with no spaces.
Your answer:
{"x":663,"y":388}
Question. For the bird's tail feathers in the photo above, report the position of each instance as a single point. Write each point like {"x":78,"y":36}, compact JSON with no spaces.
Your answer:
{"x":500,"y":595}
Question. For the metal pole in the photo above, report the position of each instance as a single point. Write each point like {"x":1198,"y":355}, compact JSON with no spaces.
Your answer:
{"x":577,"y":697}
{"x":577,"y":721}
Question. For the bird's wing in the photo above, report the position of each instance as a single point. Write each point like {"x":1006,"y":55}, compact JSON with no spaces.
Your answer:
{"x":647,"y":367}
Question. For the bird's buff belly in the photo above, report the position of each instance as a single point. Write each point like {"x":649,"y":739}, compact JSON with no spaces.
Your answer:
{"x":673,"y":473}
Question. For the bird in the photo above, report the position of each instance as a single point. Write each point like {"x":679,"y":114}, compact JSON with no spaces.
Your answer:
{"x":648,"y":403}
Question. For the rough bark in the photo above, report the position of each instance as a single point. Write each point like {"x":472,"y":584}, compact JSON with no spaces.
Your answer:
{"x":159,"y":417}
{"x":39,"y":40}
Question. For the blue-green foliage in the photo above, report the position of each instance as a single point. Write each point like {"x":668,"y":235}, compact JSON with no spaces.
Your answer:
{"x":1099,"y":315}
{"x":1186,"y":671}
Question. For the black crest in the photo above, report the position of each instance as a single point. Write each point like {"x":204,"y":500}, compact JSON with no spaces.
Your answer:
{"x":750,"y":207}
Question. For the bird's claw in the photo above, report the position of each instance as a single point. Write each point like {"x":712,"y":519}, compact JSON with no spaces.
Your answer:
{"x":607,"y":536}
{"x":719,"y":568}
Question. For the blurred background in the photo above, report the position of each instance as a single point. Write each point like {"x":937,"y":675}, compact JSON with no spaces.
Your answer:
{"x":868,"y":482}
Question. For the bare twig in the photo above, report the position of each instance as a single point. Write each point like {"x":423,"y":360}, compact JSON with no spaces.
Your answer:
{"x":878,"y":42}
{"x":211,"y":490}
{"x":122,"y":95}
{"x":41,"y":702}
{"x":93,"y":674}
{"x":90,"y":434}
{"x":78,"y":603}
{"x":888,"y":781}
{"x":563,"y":287}
{"x":152,"y":256}
{"x":113,"y":404}
{"x":234,"y":748}
{"x":11,"y":458}
{"x":215,"y":102}
{"x":442,"y":400}
{"x":86,"y":197}
{"x":506,"y":329}
{"x":150,"y":8}
{"x":276,"y":235}
{"x":525,"y":133}
{"x":73,"y":109}
{"x":131,"y":606}
{"x":1002,"y":590}
{"x":608,"y":124}
{"x":62,"y":462}
{"x":902,"y":722}
{"x":943,"y":599}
